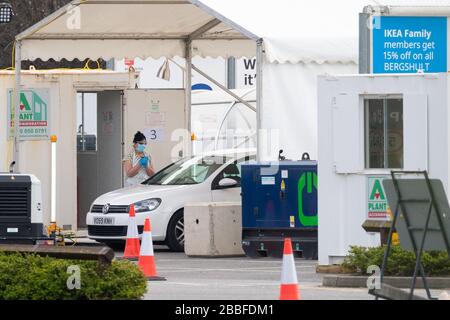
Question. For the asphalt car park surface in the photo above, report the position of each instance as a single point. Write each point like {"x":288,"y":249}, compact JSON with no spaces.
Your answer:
{"x":239,"y":278}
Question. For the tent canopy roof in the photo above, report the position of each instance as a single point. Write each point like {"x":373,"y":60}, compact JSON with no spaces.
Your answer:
{"x":111,"y":19}
{"x":155,"y":28}
{"x":125,"y":28}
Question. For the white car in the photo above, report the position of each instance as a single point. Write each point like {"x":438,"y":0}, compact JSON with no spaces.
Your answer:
{"x":212,"y":177}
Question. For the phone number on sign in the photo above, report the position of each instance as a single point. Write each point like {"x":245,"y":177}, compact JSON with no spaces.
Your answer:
{"x":39,"y":131}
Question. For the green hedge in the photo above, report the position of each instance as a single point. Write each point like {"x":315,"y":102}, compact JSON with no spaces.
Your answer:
{"x":400,"y":263}
{"x":31,"y":277}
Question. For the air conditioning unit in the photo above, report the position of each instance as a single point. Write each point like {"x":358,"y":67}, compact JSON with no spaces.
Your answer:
{"x":21,"y":217}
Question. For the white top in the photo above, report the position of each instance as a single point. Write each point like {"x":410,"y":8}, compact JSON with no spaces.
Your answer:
{"x":142,"y":175}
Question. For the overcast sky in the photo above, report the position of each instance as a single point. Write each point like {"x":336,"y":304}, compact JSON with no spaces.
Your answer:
{"x":293,"y":17}
{"x":336,"y":18}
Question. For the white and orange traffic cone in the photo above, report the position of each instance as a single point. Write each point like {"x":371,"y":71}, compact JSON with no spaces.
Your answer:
{"x":146,"y":258}
{"x":132,"y":244}
{"x":289,"y":284}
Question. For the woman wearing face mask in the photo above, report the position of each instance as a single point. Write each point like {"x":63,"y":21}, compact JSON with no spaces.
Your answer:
{"x":137,"y":164}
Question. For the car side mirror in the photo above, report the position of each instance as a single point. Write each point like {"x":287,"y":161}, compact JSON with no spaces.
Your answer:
{"x":227,"y":183}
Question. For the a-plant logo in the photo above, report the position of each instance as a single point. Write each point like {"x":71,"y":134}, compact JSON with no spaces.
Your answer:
{"x":33,"y":108}
{"x":24,"y":105}
{"x":377,"y":192}
{"x":377,"y":206}
{"x":33,"y":113}
{"x":307,"y":180}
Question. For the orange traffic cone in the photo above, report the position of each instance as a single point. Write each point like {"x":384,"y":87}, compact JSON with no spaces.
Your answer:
{"x":289,"y":284}
{"x":146,"y":258}
{"x":132,"y":244}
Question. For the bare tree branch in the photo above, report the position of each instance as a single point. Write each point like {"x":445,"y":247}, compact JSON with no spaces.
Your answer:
{"x":27,"y":13}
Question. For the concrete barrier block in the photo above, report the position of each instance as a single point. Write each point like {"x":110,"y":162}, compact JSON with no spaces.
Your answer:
{"x":213,"y":229}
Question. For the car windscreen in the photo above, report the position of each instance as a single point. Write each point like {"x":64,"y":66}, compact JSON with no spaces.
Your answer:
{"x":187,"y":171}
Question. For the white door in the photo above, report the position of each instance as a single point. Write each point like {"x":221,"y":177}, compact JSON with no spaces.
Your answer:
{"x":159,"y":115}
{"x":109,"y":138}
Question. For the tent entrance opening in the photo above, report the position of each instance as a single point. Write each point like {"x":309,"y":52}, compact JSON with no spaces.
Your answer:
{"x":99,"y":147}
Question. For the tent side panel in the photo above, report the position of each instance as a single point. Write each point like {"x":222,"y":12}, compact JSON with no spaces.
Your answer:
{"x":105,"y":49}
{"x":290,"y":107}
{"x":122,"y":48}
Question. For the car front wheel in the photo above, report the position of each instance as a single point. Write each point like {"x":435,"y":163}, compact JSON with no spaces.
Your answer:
{"x":175,"y":232}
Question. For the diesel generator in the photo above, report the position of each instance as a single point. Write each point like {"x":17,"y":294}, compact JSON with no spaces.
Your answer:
{"x":279,"y":200}
{"x":21,"y":216}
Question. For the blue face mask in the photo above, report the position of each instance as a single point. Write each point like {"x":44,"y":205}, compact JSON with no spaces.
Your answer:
{"x":140,"y":147}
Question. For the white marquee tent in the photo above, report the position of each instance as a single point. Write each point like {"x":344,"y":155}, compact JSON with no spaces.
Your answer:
{"x":293,"y":42}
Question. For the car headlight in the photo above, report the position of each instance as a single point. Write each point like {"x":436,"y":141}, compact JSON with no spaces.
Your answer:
{"x":147,"y":205}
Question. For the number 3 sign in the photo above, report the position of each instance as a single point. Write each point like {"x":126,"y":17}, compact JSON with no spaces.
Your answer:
{"x":154,"y":134}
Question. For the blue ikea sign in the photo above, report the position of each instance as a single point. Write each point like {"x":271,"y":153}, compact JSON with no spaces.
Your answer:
{"x":409,"y":44}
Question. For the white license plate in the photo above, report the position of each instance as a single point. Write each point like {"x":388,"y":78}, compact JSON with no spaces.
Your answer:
{"x":104,"y":221}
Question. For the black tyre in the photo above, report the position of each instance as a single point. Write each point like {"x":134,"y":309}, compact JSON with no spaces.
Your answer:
{"x":175,"y":232}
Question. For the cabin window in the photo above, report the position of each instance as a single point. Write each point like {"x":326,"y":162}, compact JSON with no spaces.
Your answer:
{"x":383,"y":132}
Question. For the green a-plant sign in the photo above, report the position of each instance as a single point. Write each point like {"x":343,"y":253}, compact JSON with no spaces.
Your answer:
{"x":33,"y":115}
{"x":377,"y":207}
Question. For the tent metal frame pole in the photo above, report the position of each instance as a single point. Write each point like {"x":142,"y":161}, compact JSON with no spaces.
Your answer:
{"x":259,"y":98}
{"x":188,"y":102}
{"x":203,"y":29}
{"x":17,"y":75}
{"x":83,"y":138}
{"x":231,"y":93}
{"x":188,"y":80}
{"x":127,"y":36}
{"x":225,"y":20}
{"x":225,"y":116}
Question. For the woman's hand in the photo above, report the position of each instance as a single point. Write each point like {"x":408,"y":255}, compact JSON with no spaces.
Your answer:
{"x":144,"y":162}
{"x":131,"y":170}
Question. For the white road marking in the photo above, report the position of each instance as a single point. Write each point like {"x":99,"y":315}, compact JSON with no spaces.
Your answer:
{"x":227,"y":269}
{"x":242,"y":260}
{"x":305,"y":285}
{"x":190,"y":284}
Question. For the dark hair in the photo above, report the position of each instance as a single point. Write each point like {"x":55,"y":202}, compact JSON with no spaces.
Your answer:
{"x":139,"y":136}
